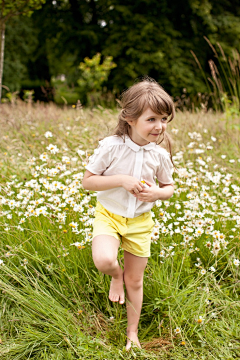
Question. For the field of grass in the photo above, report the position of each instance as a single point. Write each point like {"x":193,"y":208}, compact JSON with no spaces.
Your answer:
{"x":54,"y":303}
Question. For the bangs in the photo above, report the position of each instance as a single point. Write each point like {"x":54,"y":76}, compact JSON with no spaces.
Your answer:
{"x":146,"y":94}
{"x":159,"y":103}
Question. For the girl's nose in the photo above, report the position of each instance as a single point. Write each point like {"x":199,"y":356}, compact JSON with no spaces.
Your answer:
{"x":158,"y":125}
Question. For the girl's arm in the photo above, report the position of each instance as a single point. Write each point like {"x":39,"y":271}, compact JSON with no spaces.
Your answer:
{"x":99,"y":182}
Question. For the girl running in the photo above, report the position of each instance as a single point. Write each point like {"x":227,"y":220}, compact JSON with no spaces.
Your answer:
{"x":123,"y":170}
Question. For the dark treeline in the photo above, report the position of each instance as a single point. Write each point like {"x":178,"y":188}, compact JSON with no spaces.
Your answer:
{"x":152,"y":37}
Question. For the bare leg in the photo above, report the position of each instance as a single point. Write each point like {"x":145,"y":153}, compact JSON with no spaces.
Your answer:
{"x":104,"y":251}
{"x":134,"y":267}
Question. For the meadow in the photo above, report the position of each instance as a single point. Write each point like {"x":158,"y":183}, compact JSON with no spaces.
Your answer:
{"x":54,"y":302}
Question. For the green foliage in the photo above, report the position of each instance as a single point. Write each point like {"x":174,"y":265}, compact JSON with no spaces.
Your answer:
{"x":89,"y":87}
{"x":18,"y":52}
{"x":64,"y":94}
{"x":10,"y":8}
{"x":28,"y":96}
{"x":11,"y":97}
{"x":93,"y":75}
{"x":143,"y":37}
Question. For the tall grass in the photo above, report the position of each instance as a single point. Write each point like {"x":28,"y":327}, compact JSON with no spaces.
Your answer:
{"x":224,"y":83}
{"x":54,"y":303}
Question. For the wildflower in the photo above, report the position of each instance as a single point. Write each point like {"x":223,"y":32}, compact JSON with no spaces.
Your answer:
{"x":73,"y":224}
{"x":25,"y":262}
{"x":8,"y":254}
{"x":1,"y":262}
{"x":43,"y":157}
{"x":216,"y":247}
{"x":78,"y":245}
{"x":177,"y":330}
{"x":48,"y":134}
{"x":199,"y":231}
{"x":49,"y":266}
{"x":53,"y":149}
{"x":213,"y":138}
{"x":208,"y":244}
{"x":212,"y":268}
{"x":80,"y":152}
{"x":203,"y":271}
{"x":214,"y":315}
{"x":236,"y":262}
{"x":174,"y":131}
{"x":183,"y":343}
{"x":79,"y":312}
{"x":200,"y":320}
{"x":200,"y":223}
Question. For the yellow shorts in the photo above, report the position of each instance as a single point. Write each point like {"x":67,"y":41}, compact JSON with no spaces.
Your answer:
{"x":133,"y":234}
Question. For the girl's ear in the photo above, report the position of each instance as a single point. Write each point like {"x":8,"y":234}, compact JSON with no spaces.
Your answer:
{"x":130,"y":122}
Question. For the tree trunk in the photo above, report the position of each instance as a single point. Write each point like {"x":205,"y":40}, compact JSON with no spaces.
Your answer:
{"x":3,"y":25}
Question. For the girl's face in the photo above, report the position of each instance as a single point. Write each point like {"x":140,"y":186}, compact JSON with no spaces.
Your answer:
{"x":147,"y":127}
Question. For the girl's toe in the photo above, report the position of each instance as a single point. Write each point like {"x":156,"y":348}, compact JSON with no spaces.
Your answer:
{"x":121,"y":301}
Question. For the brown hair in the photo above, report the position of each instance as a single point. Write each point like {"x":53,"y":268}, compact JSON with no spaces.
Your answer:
{"x":135,"y":100}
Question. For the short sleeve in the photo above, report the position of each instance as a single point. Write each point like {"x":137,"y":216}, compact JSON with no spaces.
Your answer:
{"x":100,"y":160}
{"x":165,"y":170}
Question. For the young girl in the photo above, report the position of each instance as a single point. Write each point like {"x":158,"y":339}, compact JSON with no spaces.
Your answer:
{"x":124,"y":169}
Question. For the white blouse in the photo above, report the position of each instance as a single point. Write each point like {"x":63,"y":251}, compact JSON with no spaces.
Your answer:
{"x":114,"y":156}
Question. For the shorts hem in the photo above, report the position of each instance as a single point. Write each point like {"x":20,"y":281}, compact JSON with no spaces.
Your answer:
{"x":132,"y":252}
{"x":115,"y":237}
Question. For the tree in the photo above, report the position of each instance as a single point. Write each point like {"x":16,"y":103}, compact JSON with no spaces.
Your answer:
{"x":144,"y":37}
{"x":9,"y":9}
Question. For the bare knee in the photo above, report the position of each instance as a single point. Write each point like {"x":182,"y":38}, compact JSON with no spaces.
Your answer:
{"x":104,"y":262}
{"x":134,"y":281}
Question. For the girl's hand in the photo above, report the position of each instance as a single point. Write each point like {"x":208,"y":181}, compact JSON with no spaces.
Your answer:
{"x":131,"y":184}
{"x":153,"y":192}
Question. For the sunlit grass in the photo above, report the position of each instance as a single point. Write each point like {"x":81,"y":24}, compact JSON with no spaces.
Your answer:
{"x":54,"y":303}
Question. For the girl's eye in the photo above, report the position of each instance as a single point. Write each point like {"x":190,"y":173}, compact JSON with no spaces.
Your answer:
{"x":152,"y":119}
{"x":164,"y":119}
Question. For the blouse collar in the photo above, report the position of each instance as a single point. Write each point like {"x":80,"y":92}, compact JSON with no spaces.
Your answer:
{"x":135,"y":147}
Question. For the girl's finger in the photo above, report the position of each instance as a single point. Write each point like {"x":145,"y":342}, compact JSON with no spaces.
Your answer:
{"x":148,"y":183}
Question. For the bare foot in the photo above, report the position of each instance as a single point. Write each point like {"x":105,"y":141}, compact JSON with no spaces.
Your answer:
{"x":132,"y":339}
{"x":116,"y":292}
